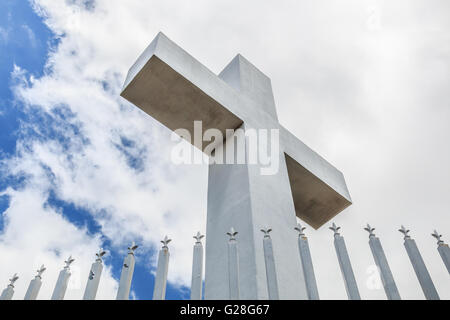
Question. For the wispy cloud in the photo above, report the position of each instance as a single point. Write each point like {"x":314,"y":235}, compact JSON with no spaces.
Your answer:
{"x":4,"y":34}
{"x":31,"y":35}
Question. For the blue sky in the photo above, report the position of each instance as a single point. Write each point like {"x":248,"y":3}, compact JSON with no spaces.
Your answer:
{"x":26,"y":41}
{"x":364,"y":84}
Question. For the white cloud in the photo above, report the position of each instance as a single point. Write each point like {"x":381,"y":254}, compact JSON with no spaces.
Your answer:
{"x":372,"y":100}
{"x":128,"y":204}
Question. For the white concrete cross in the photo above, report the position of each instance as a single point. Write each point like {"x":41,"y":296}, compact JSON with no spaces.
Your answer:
{"x":171,"y":86}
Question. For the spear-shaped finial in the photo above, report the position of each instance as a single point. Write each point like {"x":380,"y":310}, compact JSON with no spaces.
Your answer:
{"x":165,"y":242}
{"x":132,"y":248}
{"x":405,"y":232}
{"x":438,"y":237}
{"x":68,"y":262}
{"x":370,"y":230}
{"x":198,"y":237}
{"x":232,"y":233}
{"x":13,"y":280}
{"x":300,"y":230}
{"x":266,"y":232}
{"x":100,"y":254}
{"x":335,"y":229}
{"x":40,"y":271}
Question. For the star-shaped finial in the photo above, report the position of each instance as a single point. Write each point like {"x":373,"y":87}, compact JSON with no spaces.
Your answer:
{"x":232,"y":233}
{"x":132,"y":248}
{"x":198,"y":237}
{"x":165,"y":242}
{"x":438,"y":237}
{"x":300,"y":230}
{"x":266,"y":232}
{"x":335,"y":229}
{"x":41,"y":271}
{"x":100,"y":254}
{"x":68,"y":262}
{"x":13,"y":280}
{"x":405,"y":232}
{"x":370,"y":230}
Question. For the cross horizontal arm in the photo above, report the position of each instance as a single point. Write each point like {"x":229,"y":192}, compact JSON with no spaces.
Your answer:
{"x":318,"y":188}
{"x":175,"y":89}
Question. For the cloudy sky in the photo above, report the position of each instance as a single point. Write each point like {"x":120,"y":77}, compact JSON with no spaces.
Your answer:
{"x":363,"y":82}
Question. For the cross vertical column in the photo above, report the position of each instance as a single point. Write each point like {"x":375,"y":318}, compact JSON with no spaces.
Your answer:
{"x":123,"y":293}
{"x":346,"y":267}
{"x":308,"y":268}
{"x":197,"y":268}
{"x":238,"y":195}
{"x":159,"y":291}
{"x":419,"y":266}
{"x":381,"y":261}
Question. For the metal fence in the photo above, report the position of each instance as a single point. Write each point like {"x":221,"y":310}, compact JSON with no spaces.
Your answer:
{"x":159,"y":291}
